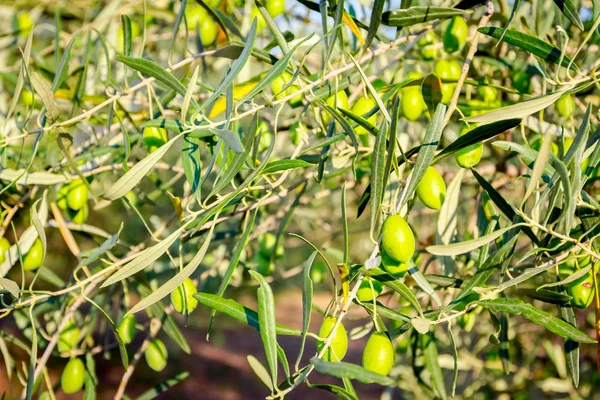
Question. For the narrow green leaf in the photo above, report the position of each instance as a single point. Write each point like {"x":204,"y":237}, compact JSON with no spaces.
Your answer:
{"x":132,"y":177}
{"x":418,"y":14}
{"x":376,"y":16}
{"x":63,"y":68}
{"x":149,"y":67}
{"x":377,"y":175}
{"x":260,"y":371}
{"x":143,"y":259}
{"x":570,"y":10}
{"x":239,"y":312}
{"x":468,"y":245}
{"x":352,"y":371}
{"x":543,"y":318}
{"x":432,"y":364}
{"x":528,"y":43}
{"x":161,"y":388}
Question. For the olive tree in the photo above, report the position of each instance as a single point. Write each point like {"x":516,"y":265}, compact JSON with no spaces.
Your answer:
{"x":431,"y":167}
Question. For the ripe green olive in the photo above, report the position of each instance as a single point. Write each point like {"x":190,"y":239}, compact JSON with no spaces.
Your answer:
{"x":365,"y":293}
{"x":78,"y":195}
{"x":489,"y":94}
{"x":266,"y":243}
{"x":264,"y":266}
{"x":397,"y":239}
{"x":467,"y":321}
{"x":275,"y":7}
{"x":582,"y":290}
{"x":27,"y":97}
{"x":318,"y":272}
{"x":339,"y":342}
{"x":431,"y":190}
{"x":362,"y":106}
{"x":80,"y":216}
{"x":470,"y":155}
{"x":33,"y":259}
{"x":69,"y":337}
{"x":73,"y":376}
{"x":126,"y":329}
{"x":4,"y":246}
{"x":427,"y":48}
{"x":154,"y":138}
{"x":197,"y":16}
{"x":521,"y":81}
{"x":379,"y":355}
{"x":338,"y":100}
{"x":455,"y":35}
{"x":393,"y":267}
{"x":447,"y":70}
{"x":156,"y":355}
{"x":565,"y":106}
{"x":24,"y":23}
{"x":280,"y":82}
{"x":411,"y":103}
{"x":184,"y":291}
{"x":61,"y":197}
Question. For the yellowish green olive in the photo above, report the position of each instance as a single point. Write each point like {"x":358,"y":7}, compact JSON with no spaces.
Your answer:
{"x":266,"y":243}
{"x":338,"y":100}
{"x":470,"y":155}
{"x":69,"y":337}
{"x":80,"y":216}
{"x":154,"y":138}
{"x":339,"y":343}
{"x":183,"y":298}
{"x":280,"y":82}
{"x":156,"y":355}
{"x":397,"y":239}
{"x":379,"y":355}
{"x":366,"y":293}
{"x":126,"y":329}
{"x":73,"y":376}
{"x":582,"y":290}
{"x":431,"y":190}
{"x":275,"y":7}
{"x":393,"y":267}
{"x":565,"y":106}
{"x":4,"y":246}
{"x":362,"y":106}
{"x":33,"y":258}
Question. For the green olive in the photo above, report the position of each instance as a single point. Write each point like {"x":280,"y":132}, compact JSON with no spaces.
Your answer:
{"x":27,"y":97}
{"x":447,"y":70}
{"x":79,"y":217}
{"x":156,"y":355}
{"x":466,"y":321}
{"x":362,"y":106}
{"x":427,"y":48}
{"x":24,"y":23}
{"x":61,"y":198}
{"x":470,"y":155}
{"x":565,"y":106}
{"x":339,"y":342}
{"x":280,"y":82}
{"x":266,"y":243}
{"x":73,"y":376}
{"x":393,"y":267}
{"x":154,"y":138}
{"x":521,"y":81}
{"x":338,"y":100}
{"x":275,"y":7}
{"x":264,"y":266}
{"x":455,"y":35}
{"x":197,"y":16}
{"x":379,"y":355}
{"x":260,"y":21}
{"x":4,"y":246}
{"x":489,"y":94}
{"x":365,"y":293}
{"x":69,"y":337}
{"x":411,"y":103}
{"x":582,"y":290}
{"x":126,"y":329}
{"x":431,"y":190}
{"x":184,"y":291}
{"x":33,"y":259}
{"x":78,"y":195}
{"x":318,"y":272}
{"x":397,"y":239}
